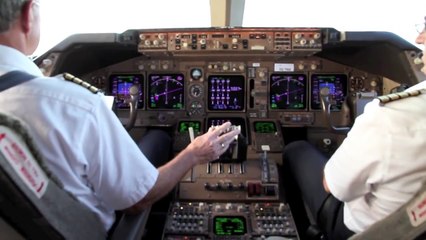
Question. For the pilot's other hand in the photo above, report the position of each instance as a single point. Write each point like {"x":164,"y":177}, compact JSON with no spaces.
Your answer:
{"x":213,"y":143}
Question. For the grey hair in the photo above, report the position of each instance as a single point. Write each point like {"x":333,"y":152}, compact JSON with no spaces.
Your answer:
{"x":9,"y":11}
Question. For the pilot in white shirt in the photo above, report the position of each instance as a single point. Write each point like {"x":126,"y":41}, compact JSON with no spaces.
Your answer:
{"x":379,"y":166}
{"x":53,"y":106}
{"x":82,"y":141}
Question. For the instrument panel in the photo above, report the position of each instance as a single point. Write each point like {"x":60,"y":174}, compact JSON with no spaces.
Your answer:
{"x":246,"y":72}
{"x":236,"y":73}
{"x":194,"y":89}
{"x":251,"y":73}
{"x":240,"y":74}
{"x":275,"y":84}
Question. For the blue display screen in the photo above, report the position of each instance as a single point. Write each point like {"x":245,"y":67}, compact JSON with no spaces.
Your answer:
{"x":120,"y":85}
{"x":337,"y":88}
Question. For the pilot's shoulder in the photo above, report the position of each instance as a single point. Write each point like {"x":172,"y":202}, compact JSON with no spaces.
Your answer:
{"x":74,"y":79}
{"x":400,"y":95}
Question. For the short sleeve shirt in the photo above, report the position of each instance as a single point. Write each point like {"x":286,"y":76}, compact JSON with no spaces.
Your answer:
{"x":81,"y":139}
{"x":382,"y":162}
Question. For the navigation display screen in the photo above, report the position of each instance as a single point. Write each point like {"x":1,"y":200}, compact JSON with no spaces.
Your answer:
{"x":226,"y":93}
{"x":336,"y":85}
{"x":287,"y":91}
{"x":166,"y":91}
{"x":120,"y":85}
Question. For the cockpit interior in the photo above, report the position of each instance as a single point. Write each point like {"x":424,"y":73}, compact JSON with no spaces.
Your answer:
{"x":277,"y":84}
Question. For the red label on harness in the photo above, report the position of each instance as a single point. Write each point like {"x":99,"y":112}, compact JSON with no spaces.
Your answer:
{"x":22,"y":161}
{"x":417,"y":210}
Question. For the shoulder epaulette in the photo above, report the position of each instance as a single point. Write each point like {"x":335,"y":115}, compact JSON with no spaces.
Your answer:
{"x":400,"y":95}
{"x":74,"y":79}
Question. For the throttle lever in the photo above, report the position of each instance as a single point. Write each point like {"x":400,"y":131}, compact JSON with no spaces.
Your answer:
{"x":133,"y":103}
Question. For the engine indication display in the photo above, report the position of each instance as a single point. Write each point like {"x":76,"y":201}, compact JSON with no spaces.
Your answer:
{"x":287,"y":91}
{"x":264,"y":127}
{"x":226,"y":93}
{"x":337,"y":88}
{"x":120,"y":85}
{"x":185,"y":125}
{"x":166,"y":91}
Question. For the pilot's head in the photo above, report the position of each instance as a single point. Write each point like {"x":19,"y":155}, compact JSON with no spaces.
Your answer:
{"x":421,"y":39}
{"x":20,"y":24}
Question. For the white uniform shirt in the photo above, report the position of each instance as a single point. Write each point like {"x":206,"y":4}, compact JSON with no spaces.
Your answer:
{"x":382,"y":162}
{"x":82,"y":140}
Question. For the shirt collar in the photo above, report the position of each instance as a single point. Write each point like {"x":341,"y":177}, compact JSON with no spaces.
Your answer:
{"x":12,"y":59}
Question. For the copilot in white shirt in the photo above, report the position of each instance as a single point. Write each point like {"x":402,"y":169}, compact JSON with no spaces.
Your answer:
{"x":382,"y":162}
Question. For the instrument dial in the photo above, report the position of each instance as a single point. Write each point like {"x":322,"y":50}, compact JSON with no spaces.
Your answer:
{"x":196,"y":91}
{"x":196,"y":108}
{"x":196,"y":74}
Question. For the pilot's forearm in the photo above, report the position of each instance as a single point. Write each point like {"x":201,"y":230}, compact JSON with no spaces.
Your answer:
{"x":169,"y":175}
{"x":202,"y":149}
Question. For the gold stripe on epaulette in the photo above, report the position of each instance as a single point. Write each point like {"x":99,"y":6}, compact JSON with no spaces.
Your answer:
{"x":74,"y":79}
{"x":401,"y":95}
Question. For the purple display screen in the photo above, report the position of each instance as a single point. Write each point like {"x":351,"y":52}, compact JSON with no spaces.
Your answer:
{"x":226,"y":93}
{"x":287,"y":91}
{"x":120,"y":85}
{"x":337,"y":88}
{"x":166,"y":91}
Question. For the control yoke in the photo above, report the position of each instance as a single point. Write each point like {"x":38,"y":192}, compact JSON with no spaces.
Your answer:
{"x":326,"y":110}
{"x":133,"y":103}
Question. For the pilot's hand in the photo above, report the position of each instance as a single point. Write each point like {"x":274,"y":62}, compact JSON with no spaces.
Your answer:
{"x":213,"y":143}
